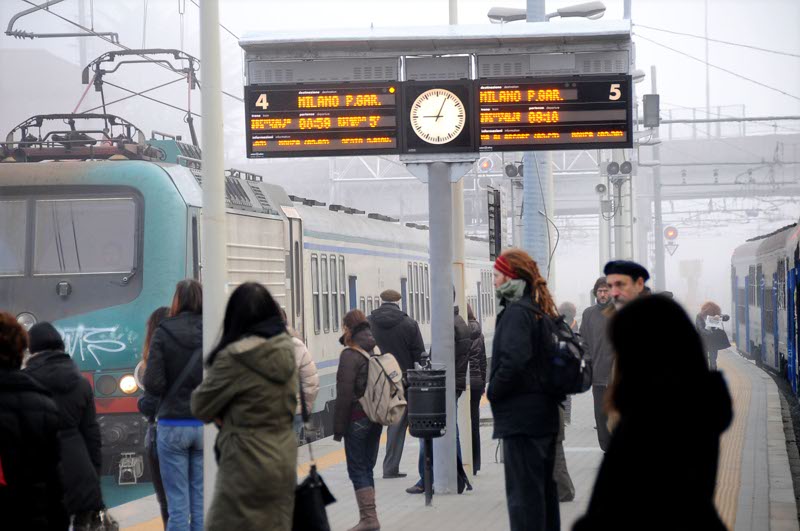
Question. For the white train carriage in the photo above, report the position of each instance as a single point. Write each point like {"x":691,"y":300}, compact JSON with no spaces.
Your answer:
{"x":744,"y":297}
{"x":772,"y":261}
{"x":350,"y":258}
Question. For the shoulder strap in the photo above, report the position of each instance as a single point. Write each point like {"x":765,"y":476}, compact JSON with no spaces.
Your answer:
{"x":196,"y":355}
{"x":362,"y":351}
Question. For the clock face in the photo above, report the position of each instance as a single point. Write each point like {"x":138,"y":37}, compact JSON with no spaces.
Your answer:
{"x":437,"y":116}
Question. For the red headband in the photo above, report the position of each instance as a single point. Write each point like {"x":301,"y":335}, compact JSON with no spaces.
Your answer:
{"x":502,"y":265}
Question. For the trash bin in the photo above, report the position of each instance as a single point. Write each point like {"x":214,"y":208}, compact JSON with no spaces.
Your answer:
{"x":427,"y":417}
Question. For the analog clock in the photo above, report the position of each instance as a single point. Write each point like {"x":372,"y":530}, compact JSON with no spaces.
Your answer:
{"x":437,"y":116}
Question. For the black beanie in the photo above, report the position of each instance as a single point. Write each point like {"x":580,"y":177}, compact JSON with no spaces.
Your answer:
{"x":43,"y":336}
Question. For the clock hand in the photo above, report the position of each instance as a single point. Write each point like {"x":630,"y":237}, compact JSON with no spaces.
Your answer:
{"x":439,"y":114}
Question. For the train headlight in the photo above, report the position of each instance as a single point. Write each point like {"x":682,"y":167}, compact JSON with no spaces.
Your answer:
{"x":128,"y":385}
{"x":27,"y":320}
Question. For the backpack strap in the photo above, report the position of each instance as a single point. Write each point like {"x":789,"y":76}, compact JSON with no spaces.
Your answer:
{"x":196,"y":356}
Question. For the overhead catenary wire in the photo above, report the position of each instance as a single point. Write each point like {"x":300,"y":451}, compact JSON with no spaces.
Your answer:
{"x":731,"y":72}
{"x":729,"y":43}
{"x":133,"y":95}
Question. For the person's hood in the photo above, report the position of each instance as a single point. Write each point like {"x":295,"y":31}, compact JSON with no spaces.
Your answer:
{"x":16,"y":381}
{"x":474,"y":329}
{"x":387,"y":316}
{"x":362,"y":336}
{"x":185,"y":328}
{"x":265,"y":356}
{"x":55,"y":370}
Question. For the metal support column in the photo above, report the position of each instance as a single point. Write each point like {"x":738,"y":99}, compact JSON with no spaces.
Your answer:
{"x":658,"y":221}
{"x":213,"y":234}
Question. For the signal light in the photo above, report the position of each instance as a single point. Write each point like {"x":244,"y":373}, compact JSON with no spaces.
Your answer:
{"x":612,"y":168}
{"x":514,"y":170}
{"x":485,"y":164}
{"x":670,"y":233}
{"x":626,"y":167}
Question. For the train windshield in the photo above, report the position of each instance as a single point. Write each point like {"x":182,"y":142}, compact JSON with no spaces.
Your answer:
{"x":85,"y":236}
{"x":13,"y":220}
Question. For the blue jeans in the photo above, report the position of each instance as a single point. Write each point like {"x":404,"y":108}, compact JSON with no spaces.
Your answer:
{"x":361,"y":444}
{"x":180,"y":453}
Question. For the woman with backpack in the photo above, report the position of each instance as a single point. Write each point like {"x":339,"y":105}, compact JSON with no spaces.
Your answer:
{"x":174,"y":369}
{"x":250,"y":392}
{"x":525,"y":415}
{"x":361,"y":435}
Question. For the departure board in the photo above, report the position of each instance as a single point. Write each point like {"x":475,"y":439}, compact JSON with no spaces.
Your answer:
{"x":306,"y":120}
{"x":529,"y":114}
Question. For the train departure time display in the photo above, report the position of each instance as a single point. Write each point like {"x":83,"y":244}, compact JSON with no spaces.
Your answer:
{"x":321,"y":119}
{"x":556,"y":113}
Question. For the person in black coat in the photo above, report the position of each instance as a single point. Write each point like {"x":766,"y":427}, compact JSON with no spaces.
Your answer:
{"x":31,"y":494}
{"x":526,"y":418}
{"x":174,"y":370}
{"x":79,"y":433}
{"x":398,"y":334}
{"x":675,"y":434}
{"x":477,"y":385}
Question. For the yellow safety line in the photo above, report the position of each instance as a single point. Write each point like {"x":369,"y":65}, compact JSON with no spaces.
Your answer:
{"x":729,"y":473}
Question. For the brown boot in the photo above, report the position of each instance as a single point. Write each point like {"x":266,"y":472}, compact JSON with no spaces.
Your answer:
{"x":366,"y":508}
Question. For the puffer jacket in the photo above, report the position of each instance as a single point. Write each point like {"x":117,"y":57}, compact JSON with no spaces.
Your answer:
{"x":351,"y":381}
{"x":463,"y":342}
{"x":477,"y":357}
{"x":32,"y":497}
{"x":79,"y":433}
{"x":520,"y":406}
{"x":174,"y":343}
{"x":397,"y":334}
{"x":252,"y":387}
{"x":309,"y":377}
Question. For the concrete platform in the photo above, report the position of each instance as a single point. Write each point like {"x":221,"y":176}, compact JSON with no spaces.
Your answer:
{"x":754,"y":491}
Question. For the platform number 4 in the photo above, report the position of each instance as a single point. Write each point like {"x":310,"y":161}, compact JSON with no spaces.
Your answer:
{"x":263,"y":103}
{"x":613,"y":95}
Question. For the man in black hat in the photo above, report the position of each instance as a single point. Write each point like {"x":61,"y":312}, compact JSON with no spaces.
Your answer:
{"x":398,"y":334}
{"x":626,"y":280}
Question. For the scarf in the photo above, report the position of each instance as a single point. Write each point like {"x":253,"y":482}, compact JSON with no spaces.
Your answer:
{"x":512,"y":290}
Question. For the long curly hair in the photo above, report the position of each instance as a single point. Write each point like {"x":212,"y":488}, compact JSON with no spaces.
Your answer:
{"x":527,"y":269}
{"x":710,"y":308}
{"x":13,"y":341}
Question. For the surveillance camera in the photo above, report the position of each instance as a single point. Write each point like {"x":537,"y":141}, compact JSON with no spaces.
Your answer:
{"x":601,"y":188}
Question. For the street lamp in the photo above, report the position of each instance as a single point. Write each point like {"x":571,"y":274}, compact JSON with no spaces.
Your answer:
{"x":591,"y":10}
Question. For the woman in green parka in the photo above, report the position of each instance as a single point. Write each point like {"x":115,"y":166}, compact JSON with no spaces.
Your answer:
{"x":249,"y":391}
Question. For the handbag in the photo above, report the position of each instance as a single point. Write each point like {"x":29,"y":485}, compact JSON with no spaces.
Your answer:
{"x":312,"y":495}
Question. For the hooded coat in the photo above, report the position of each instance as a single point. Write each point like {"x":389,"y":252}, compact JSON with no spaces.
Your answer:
{"x":463,"y":342}
{"x":251,"y":386}
{"x":397,"y":334}
{"x":174,"y":344}
{"x":78,"y":431}
{"x":477,"y":357}
{"x":30,"y":491}
{"x":351,"y":381}
{"x":309,"y":376}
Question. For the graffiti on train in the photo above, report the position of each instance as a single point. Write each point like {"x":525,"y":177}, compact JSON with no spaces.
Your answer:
{"x":88,"y":342}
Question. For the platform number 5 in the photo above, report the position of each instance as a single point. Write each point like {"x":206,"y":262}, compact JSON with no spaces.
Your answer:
{"x":614,"y":94}
{"x":263,"y":103}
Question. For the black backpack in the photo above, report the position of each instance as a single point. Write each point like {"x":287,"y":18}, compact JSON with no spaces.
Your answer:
{"x":564,"y":369}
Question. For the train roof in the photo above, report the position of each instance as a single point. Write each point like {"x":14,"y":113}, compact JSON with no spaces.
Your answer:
{"x":775,"y":240}
{"x":745,"y":253}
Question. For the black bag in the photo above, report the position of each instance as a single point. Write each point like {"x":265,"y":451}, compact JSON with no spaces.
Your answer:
{"x":312,"y":495}
{"x":565,"y":371}
{"x":717,"y":340}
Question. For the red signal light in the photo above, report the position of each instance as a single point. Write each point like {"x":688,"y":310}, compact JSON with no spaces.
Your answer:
{"x":670,"y":233}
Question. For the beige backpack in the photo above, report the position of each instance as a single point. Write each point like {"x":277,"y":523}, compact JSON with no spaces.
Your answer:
{"x":383,"y":401}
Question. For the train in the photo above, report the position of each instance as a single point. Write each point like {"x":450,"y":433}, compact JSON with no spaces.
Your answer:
{"x":765,"y":279}
{"x":98,"y":223}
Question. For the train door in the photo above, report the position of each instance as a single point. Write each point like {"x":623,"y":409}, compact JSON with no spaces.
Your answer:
{"x":774,"y":321}
{"x":747,"y":280}
{"x":296,"y":274}
{"x":736,"y":313}
{"x":352,"y":281}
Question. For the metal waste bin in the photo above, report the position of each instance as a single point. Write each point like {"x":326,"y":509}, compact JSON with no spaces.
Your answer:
{"x":427,"y":417}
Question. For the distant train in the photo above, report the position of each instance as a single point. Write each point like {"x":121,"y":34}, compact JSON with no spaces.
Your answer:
{"x":765,"y":277}
{"x":98,"y":224}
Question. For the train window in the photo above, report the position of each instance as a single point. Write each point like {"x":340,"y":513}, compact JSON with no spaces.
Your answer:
{"x":315,"y":292}
{"x":298,"y":302}
{"x":740,"y":306}
{"x":427,"y":285}
{"x":342,"y":289}
{"x":411,"y":291}
{"x":751,"y":285}
{"x":781,"y":284}
{"x":13,"y":220}
{"x":769,"y":314}
{"x":370,"y":306}
{"x":334,"y":294}
{"x":326,"y":309}
{"x":417,"y":289}
{"x":85,"y":236}
{"x":363,"y":305}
